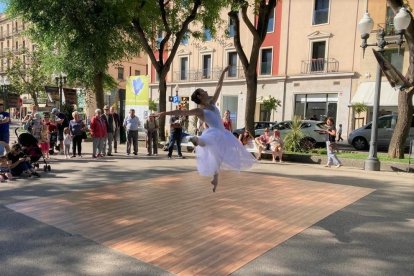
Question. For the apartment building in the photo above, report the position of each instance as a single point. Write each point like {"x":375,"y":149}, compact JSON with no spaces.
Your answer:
{"x":199,"y":64}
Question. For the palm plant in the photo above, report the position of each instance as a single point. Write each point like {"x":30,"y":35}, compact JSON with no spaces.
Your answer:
{"x":293,"y":140}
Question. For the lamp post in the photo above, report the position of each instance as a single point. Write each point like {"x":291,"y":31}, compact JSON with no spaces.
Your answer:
{"x":60,"y":80}
{"x":4,"y":83}
{"x":401,"y":21}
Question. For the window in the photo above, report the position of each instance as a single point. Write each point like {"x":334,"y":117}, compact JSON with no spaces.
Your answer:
{"x":389,"y":21}
{"x":396,"y":59}
{"x":316,"y":105}
{"x":266,"y":62}
{"x":120,"y":73}
{"x":318,"y":56}
{"x":207,"y":34}
{"x":159,"y":38}
{"x":271,"y":23}
{"x":232,"y":61}
{"x":137,"y":72}
{"x":232,"y":29}
{"x":206,"y":66}
{"x":320,"y":12}
{"x":184,"y":68}
{"x":264,"y":114}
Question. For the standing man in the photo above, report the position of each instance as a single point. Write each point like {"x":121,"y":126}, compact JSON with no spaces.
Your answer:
{"x":117,"y":124}
{"x":61,"y":122}
{"x":131,"y":124}
{"x":110,"y":128}
{"x":4,"y":128}
{"x":151,"y":125}
{"x":176,"y":131}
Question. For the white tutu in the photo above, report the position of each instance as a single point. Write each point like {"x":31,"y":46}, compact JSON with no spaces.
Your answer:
{"x":220,"y":150}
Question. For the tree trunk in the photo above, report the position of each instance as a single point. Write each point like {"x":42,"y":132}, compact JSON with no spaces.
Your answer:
{"x":402,"y":128}
{"x":98,"y":89}
{"x":163,"y":105}
{"x":35,"y":100}
{"x":251,"y":82}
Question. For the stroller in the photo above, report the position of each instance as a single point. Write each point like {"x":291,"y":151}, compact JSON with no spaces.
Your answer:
{"x":31,"y":149}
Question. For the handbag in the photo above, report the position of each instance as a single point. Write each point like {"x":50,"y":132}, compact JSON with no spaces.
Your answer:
{"x":83,"y":135}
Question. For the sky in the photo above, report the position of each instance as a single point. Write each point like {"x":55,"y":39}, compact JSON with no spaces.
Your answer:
{"x":2,"y":7}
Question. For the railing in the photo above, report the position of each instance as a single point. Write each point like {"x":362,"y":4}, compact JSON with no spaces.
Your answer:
{"x":319,"y":65}
{"x":388,"y":28}
{"x":207,"y":74}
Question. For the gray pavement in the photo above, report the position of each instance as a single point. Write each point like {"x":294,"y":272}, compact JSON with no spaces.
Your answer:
{"x":373,"y":236}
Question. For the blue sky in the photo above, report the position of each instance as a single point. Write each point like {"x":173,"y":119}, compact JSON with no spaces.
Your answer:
{"x":2,"y":7}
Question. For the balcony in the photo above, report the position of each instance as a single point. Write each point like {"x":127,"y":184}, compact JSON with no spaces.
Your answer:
{"x":319,"y":66}
{"x":207,"y":75}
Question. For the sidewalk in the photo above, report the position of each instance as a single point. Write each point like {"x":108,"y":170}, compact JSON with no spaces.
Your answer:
{"x":373,"y":236}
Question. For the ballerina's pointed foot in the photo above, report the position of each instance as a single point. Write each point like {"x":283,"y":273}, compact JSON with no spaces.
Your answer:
{"x":214,"y":182}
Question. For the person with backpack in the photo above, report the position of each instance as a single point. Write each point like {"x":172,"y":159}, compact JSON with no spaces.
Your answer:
{"x":61,"y":122}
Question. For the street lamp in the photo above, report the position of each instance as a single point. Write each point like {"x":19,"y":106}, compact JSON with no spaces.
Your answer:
{"x":60,"y":80}
{"x":4,"y":83}
{"x":401,"y":21}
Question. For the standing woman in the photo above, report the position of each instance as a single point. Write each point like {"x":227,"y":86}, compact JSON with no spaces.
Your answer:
{"x":227,"y":121}
{"x":216,"y":148}
{"x":76,"y":129}
{"x":330,"y":136}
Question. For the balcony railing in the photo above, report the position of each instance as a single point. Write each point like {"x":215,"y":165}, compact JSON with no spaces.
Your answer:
{"x":206,"y":74}
{"x":319,"y":65}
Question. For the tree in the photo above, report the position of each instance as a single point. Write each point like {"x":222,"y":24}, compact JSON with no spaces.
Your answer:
{"x":405,"y":97}
{"x":84,"y":36}
{"x":161,"y":25}
{"x":258,"y":30}
{"x":28,"y":77}
{"x":271,"y":104}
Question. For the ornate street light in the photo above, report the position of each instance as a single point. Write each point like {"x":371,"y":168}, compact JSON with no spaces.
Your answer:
{"x":401,"y":21}
{"x":4,"y":84}
{"x":60,"y":80}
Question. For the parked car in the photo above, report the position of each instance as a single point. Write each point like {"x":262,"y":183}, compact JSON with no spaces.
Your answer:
{"x":360,"y":137}
{"x":310,"y":129}
{"x":258,"y":128}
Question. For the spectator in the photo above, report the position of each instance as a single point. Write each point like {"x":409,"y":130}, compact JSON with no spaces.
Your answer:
{"x":19,"y":163}
{"x":227,"y":121}
{"x":4,"y":128}
{"x":67,"y":141}
{"x":117,"y":124}
{"x":246,"y":137}
{"x":176,"y":132}
{"x":45,"y":141}
{"x":36,"y":126}
{"x":340,"y":133}
{"x":131,"y":124}
{"x":110,"y":127}
{"x":151,"y":125}
{"x":276,"y":145}
{"x":61,"y":122}
{"x":77,"y":129}
{"x":98,"y":132}
{"x":263,"y":142}
{"x":330,"y":135}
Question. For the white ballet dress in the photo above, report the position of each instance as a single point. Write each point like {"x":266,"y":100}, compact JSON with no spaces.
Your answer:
{"x":221,"y":150}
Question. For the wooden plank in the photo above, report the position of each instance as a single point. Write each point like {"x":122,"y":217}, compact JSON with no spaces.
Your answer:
{"x":177,"y":223}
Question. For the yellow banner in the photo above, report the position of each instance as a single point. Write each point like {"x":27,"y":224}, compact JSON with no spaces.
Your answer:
{"x":137,"y":96}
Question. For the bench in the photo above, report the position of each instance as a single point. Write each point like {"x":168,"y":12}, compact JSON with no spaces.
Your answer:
{"x":251,"y":147}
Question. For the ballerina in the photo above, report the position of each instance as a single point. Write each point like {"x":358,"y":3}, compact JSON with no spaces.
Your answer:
{"x":216,"y":148}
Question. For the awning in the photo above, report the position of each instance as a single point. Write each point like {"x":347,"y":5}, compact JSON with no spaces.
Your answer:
{"x":366,"y":91}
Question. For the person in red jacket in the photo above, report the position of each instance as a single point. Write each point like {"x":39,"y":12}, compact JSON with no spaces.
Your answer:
{"x":98,"y":133}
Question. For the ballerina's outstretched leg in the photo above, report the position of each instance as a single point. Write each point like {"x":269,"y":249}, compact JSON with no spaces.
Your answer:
{"x":214,"y":182}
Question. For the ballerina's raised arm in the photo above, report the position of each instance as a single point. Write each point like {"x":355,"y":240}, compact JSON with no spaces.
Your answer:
{"x":219,"y":85}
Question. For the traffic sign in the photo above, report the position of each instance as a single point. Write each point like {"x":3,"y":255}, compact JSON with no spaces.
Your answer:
{"x":176,"y":99}
{"x":185,"y":99}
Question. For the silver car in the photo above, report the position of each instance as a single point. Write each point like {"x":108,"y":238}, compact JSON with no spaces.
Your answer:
{"x":361,"y":137}
{"x":310,"y":129}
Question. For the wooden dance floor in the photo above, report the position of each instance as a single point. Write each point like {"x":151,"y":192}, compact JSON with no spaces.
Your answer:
{"x":177,"y":223}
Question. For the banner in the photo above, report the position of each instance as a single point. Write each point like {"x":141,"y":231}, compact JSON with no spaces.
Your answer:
{"x":13,"y":100}
{"x":52,"y":93}
{"x":137,"y":96}
{"x":70,"y":96}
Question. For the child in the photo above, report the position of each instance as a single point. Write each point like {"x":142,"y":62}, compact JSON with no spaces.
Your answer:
{"x":4,"y":165}
{"x":340,"y":133}
{"x":67,"y":140}
{"x":44,"y":141}
{"x":37,"y":126}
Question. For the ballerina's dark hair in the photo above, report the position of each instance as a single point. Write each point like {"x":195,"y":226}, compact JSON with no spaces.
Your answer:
{"x":194,"y":96}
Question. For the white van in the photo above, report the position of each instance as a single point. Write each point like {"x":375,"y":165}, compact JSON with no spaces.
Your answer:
{"x":361,"y":137}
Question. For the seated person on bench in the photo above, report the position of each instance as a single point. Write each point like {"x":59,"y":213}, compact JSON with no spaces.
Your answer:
{"x":276,"y":145}
{"x":263,"y":143}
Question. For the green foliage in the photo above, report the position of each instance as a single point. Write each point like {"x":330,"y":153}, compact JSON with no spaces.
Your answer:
{"x":271,"y":104}
{"x":359,"y":108}
{"x":152,"y":105}
{"x":294,"y":138}
{"x":28,"y":77}
{"x":83,"y":37}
